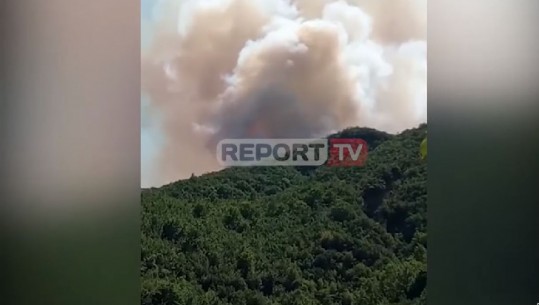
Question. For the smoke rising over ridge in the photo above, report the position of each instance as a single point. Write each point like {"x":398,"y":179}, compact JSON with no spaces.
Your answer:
{"x":219,"y":69}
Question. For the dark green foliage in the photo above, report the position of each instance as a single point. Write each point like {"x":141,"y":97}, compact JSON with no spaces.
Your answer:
{"x":252,"y":236}
{"x":373,"y":137}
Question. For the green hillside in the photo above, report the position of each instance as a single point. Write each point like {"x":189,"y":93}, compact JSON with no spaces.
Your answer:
{"x":293,"y":236}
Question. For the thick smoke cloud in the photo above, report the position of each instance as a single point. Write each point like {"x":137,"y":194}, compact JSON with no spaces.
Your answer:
{"x":274,"y":68}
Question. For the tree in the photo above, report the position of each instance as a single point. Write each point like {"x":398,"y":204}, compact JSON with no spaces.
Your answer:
{"x":282,"y":235}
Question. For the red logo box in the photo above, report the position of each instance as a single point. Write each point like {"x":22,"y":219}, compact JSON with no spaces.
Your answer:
{"x":347,"y":152}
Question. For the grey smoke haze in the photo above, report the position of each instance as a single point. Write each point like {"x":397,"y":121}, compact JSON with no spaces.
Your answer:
{"x":273,"y":68}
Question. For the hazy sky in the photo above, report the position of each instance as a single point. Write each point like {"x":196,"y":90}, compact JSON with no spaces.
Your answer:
{"x":151,"y":137}
{"x":214,"y":69}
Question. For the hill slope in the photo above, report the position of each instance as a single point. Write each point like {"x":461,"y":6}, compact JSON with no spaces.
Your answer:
{"x":286,"y":236}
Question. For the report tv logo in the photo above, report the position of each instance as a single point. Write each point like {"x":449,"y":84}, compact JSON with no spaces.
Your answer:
{"x":292,"y":152}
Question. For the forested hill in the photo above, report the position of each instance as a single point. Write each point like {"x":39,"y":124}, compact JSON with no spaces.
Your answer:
{"x":293,"y":236}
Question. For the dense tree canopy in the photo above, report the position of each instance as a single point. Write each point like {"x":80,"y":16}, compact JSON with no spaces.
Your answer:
{"x":293,"y":236}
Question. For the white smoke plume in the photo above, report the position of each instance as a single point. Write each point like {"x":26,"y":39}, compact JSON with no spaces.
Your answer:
{"x":275,"y":68}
